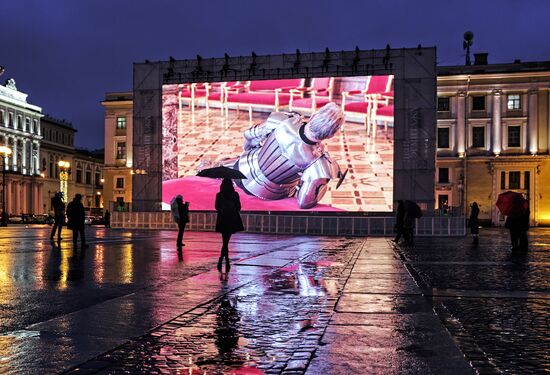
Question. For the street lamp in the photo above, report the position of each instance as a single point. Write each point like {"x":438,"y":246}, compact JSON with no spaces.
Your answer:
{"x":64,"y":178}
{"x":4,"y":151}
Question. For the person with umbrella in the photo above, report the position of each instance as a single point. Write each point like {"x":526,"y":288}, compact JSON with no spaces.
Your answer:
{"x":412,"y":212}
{"x":400,"y":217}
{"x":180,"y":214}
{"x":228,"y":221}
{"x":474,"y":222}
{"x":516,"y":209}
{"x":58,"y":207}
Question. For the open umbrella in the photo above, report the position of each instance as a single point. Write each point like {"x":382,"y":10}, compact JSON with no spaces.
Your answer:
{"x":511,"y":203}
{"x":412,"y":209}
{"x":222,"y":172}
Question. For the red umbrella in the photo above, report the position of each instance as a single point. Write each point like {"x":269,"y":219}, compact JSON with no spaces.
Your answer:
{"x":511,"y":203}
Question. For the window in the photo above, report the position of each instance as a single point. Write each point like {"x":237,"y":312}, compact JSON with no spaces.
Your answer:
{"x":120,"y":183}
{"x":514,"y":136}
{"x":514,"y":102}
{"x":478,"y":136}
{"x":51,"y":169}
{"x":2,"y":114}
{"x":97,"y":179}
{"x":443,"y":175}
{"x":78,"y":176}
{"x":19,"y":122}
{"x":443,"y":104}
{"x":527,"y":180}
{"x":514,"y":179}
{"x":502,"y":180}
{"x":28,"y":125}
{"x":10,"y":120}
{"x":443,"y":201}
{"x":88,"y":178}
{"x":121,"y":150}
{"x":478,"y":103}
{"x":442,"y":137}
{"x":121,"y":122}
{"x":35,"y":126}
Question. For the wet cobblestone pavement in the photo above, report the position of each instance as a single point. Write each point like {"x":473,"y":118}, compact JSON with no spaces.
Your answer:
{"x":290,"y":305}
{"x":495,"y":303}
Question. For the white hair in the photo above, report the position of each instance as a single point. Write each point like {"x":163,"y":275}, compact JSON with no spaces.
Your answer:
{"x":326,"y":122}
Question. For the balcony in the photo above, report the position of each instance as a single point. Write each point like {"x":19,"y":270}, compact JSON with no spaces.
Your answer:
{"x":120,"y":132}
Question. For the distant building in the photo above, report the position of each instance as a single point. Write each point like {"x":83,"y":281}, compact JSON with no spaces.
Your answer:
{"x":20,"y":131}
{"x":85,"y":176}
{"x":117,"y":187}
{"x":493,"y":135}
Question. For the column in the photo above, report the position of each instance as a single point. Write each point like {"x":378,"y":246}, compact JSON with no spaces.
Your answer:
{"x":17,"y":198}
{"x":25,"y":198}
{"x":496,"y":125}
{"x":9,"y":205}
{"x":461,"y":124}
{"x":6,"y":160}
{"x":35,"y":207}
{"x":24,"y":156}
{"x":532,"y":128}
{"x":40,"y":198}
{"x":14,"y":154}
{"x":36,"y":158}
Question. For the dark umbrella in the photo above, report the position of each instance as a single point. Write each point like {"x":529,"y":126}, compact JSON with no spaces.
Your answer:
{"x":412,"y":209}
{"x":221,"y":172}
{"x":511,"y":203}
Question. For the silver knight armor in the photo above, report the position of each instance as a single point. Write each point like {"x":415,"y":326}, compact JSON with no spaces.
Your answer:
{"x":280,"y":161}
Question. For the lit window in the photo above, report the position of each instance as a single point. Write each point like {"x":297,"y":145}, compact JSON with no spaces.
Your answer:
{"x":443,"y":138}
{"x":121,"y":122}
{"x":443,"y":104}
{"x":121,"y":150}
{"x":514,"y":136}
{"x":478,"y":103}
{"x":478,"y":136}
{"x":514,"y":102}
{"x":120,"y":182}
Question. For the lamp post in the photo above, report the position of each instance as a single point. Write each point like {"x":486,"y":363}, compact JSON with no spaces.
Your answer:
{"x":64,"y":178}
{"x":4,"y":151}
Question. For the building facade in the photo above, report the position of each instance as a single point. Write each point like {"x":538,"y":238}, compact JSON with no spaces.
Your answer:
{"x":493,"y":135}
{"x":85,"y":167}
{"x":117,"y":187}
{"x":20,"y":131}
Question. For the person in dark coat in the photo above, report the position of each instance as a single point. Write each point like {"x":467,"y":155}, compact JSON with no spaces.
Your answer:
{"x":228,"y":205}
{"x":107,"y":218}
{"x":76,"y":216}
{"x":399,"y":219}
{"x":523,"y":227}
{"x":58,"y":207}
{"x":474,"y":222}
{"x":513,"y":224}
{"x":183,"y":219}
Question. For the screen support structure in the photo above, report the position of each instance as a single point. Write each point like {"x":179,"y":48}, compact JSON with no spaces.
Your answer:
{"x":414,"y":108}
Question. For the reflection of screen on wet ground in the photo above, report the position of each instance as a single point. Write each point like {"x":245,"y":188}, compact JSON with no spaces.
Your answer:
{"x":204,"y":125}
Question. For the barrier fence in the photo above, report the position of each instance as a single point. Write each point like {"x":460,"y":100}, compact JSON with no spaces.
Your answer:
{"x":295,"y":224}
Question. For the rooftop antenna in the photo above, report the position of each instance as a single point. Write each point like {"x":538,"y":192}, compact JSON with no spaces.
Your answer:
{"x":466,"y":44}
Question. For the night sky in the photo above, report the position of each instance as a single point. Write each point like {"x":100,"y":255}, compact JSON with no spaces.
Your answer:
{"x":67,"y":54}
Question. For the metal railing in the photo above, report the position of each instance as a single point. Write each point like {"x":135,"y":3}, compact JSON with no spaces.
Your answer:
{"x":295,"y":224}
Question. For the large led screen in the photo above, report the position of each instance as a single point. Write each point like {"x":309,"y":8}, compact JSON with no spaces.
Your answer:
{"x":319,"y":144}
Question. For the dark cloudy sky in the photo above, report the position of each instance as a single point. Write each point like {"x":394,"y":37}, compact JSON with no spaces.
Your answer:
{"x":67,"y":53}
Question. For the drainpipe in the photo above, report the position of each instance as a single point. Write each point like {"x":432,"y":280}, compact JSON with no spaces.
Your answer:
{"x":465,"y":196}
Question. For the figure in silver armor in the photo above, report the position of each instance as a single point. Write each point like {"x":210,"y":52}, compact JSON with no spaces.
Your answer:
{"x":285,"y":156}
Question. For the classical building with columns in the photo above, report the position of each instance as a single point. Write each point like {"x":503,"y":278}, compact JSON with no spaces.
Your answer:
{"x":20,"y":131}
{"x":85,"y":175}
{"x":493,"y":136}
{"x":118,"y":150}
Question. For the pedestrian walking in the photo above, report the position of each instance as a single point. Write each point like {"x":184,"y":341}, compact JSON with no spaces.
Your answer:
{"x":76,"y":216}
{"x":58,"y":207}
{"x":523,"y":227}
{"x":180,"y":214}
{"x":474,"y":223}
{"x":400,"y":216}
{"x":408,"y":228}
{"x":107,"y":219}
{"x":228,"y":221}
